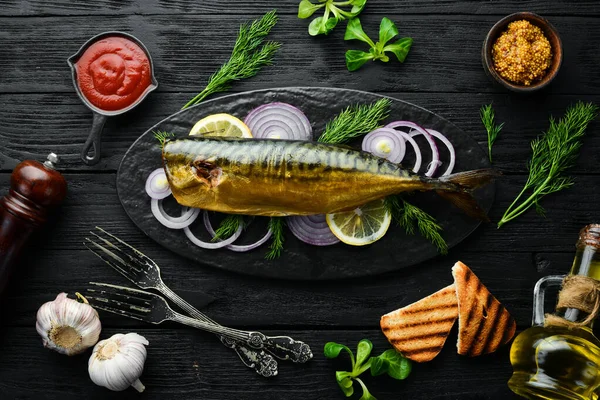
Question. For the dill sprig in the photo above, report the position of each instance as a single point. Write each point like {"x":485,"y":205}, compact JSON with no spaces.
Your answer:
{"x":162,"y":136}
{"x":229,"y":225}
{"x":553,"y":153}
{"x":487,"y":117}
{"x":276,"y":224}
{"x":354,"y":121}
{"x":408,"y":216}
{"x":246,"y":57}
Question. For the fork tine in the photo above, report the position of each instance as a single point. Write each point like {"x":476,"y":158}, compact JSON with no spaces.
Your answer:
{"x":123,"y":298}
{"x":123,"y":256}
{"x":141,"y":294}
{"x":134,"y":254}
{"x":104,"y":254}
{"x":120,"y":312}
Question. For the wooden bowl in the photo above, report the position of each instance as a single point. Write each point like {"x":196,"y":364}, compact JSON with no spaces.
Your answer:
{"x":549,"y":31}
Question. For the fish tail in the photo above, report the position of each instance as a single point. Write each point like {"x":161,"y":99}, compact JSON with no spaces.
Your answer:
{"x":457,"y":188}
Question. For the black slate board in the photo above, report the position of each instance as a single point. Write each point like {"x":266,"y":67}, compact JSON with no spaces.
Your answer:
{"x":301,"y":261}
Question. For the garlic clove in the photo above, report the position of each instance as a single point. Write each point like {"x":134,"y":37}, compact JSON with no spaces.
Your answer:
{"x":68,"y":326}
{"x":118,"y":362}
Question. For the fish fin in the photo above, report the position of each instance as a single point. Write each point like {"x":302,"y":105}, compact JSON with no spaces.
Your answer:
{"x":466,"y":202}
{"x":472,"y":179}
{"x":458,"y":190}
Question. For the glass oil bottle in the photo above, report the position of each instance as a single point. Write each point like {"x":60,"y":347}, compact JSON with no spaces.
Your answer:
{"x":561,"y":361}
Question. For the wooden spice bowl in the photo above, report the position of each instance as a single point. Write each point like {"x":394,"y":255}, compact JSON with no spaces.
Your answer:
{"x":549,"y":31}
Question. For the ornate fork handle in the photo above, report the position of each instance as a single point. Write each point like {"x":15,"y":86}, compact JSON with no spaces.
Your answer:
{"x":282,"y":347}
{"x":264,"y":364}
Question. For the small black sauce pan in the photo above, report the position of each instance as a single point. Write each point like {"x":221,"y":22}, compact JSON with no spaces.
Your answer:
{"x":93,"y":142}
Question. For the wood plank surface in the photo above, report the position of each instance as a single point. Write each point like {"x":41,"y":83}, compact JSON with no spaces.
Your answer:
{"x":187,"y":364}
{"x":188,"y":40}
{"x":445,"y":57}
{"x":243,"y":7}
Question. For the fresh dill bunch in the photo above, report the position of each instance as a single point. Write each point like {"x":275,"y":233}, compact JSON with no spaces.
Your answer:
{"x":552,"y":154}
{"x":408,"y":216}
{"x":354,"y":121}
{"x":229,"y":225}
{"x":247,"y":57}
{"x":162,"y":136}
{"x":488,"y":119}
{"x":276,"y":224}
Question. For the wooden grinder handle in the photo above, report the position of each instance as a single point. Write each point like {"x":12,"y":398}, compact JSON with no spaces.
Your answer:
{"x":35,"y":188}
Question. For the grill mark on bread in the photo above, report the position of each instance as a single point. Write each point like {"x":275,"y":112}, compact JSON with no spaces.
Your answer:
{"x":420,"y":337}
{"x":428,"y":322}
{"x":483,"y":332}
{"x":430,"y":349}
{"x":435,"y":308}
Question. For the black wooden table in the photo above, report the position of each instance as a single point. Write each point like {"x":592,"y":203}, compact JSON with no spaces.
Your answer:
{"x":39,"y":113}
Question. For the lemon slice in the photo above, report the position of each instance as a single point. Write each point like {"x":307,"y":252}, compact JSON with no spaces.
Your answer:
{"x":221,"y":125}
{"x":361,"y":226}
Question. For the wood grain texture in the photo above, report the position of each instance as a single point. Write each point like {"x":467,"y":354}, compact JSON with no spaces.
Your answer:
{"x":39,"y":113}
{"x":147,"y":7}
{"x":187,"y":364}
{"x":60,"y":123}
{"x":445,"y":56}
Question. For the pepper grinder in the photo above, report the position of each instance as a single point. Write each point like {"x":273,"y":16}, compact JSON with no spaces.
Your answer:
{"x":35,"y":188}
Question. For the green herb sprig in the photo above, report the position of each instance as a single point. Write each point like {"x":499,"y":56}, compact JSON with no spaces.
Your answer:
{"x":553,"y":154}
{"x":354,"y":121}
{"x":276,"y":224}
{"x":162,"y":136}
{"x":230,"y":224}
{"x":390,"y":362}
{"x":247,"y":57}
{"x":408,"y":216}
{"x":488,"y":120}
{"x":387,"y":31}
{"x":334,"y":12}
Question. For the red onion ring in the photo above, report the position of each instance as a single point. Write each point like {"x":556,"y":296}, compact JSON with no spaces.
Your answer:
{"x":278,"y":119}
{"x":435,"y":154}
{"x":188,"y":215}
{"x":448,"y":144}
{"x":236,"y":247}
{"x":312,"y":229}
{"x":405,"y":136}
{"x":212,"y":245}
{"x":155,"y":191}
{"x":397,"y":149}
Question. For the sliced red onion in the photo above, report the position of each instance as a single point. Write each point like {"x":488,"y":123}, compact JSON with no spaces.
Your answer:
{"x":405,"y":136}
{"x":188,"y":215}
{"x":236,"y":247}
{"x":157,"y":185}
{"x":435,"y":154}
{"x":212,"y":245}
{"x":448,"y":144}
{"x":312,"y":229}
{"x":278,"y":121}
{"x":385,"y":143}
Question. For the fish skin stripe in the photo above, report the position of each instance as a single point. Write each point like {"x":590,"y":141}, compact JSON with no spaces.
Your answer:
{"x":439,"y":321}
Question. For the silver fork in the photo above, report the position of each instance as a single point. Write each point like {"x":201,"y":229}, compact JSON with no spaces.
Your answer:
{"x":152,"y":308}
{"x":145,"y":273}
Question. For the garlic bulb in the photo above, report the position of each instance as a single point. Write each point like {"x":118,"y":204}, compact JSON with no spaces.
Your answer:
{"x":68,"y":326}
{"x":117,"y":363}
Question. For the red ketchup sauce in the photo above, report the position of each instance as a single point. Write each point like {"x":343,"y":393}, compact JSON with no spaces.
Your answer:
{"x":113,"y":73}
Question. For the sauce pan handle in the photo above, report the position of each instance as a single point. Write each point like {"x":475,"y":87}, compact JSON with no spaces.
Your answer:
{"x":94,"y":141}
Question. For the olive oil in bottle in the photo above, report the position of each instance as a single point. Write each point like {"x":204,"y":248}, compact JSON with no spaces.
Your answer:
{"x":560,"y":358}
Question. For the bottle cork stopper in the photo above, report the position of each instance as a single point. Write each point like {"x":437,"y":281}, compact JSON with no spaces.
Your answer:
{"x":589,"y":236}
